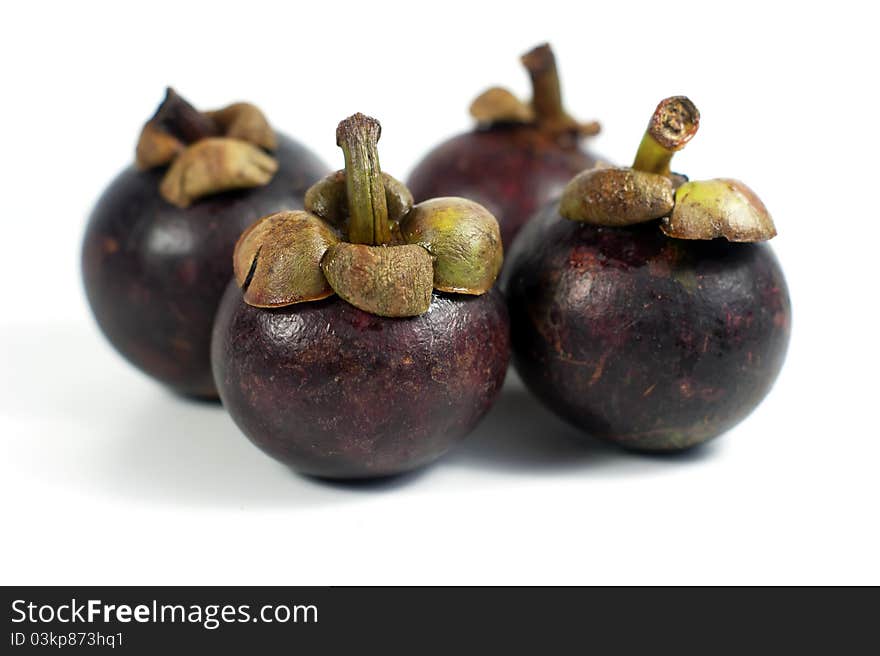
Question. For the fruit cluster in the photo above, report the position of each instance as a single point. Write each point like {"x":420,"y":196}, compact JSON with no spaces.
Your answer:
{"x":354,"y":326}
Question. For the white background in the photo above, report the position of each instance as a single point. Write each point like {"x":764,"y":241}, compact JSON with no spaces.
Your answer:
{"x":105,"y":478}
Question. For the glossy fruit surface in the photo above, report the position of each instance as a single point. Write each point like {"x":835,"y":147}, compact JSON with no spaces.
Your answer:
{"x":338,"y":392}
{"x":154,"y":272}
{"x":650,"y":342}
{"x":511,"y":169}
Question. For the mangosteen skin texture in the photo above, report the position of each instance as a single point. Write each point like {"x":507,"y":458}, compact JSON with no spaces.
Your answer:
{"x":340,"y":393}
{"x":510,"y":169}
{"x":653,"y":343}
{"x":154,"y":273}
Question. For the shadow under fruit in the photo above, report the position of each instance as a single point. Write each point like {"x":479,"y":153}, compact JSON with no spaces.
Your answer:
{"x":158,"y":245}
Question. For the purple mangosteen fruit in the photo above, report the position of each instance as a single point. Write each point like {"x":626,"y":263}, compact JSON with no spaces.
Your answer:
{"x":157,"y":248}
{"x":362,"y":337}
{"x":518,"y":157}
{"x":645,"y":308}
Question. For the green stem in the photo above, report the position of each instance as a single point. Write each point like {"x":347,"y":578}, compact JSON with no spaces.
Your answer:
{"x":652,"y":157}
{"x":673,"y":124}
{"x":368,"y":223}
{"x":546,"y":91}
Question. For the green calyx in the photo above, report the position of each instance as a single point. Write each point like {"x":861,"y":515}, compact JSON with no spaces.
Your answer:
{"x":361,"y":237}
{"x":707,"y":209}
{"x":648,"y":191}
{"x":464,"y":240}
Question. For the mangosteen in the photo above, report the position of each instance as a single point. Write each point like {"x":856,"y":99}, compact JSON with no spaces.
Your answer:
{"x":157,"y":248}
{"x":362,"y":336}
{"x":519,"y":156}
{"x":645,"y":309}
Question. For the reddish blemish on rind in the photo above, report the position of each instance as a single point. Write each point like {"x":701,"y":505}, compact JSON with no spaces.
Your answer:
{"x":154,"y":293}
{"x":688,"y":337}
{"x":341,"y":393}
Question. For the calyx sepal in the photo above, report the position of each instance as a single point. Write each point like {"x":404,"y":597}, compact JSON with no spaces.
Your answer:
{"x":545,"y":110}
{"x":206,"y":152}
{"x":707,"y":209}
{"x":402,"y":251}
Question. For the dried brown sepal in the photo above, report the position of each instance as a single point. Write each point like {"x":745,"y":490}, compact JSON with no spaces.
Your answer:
{"x":246,"y":122}
{"x":175,"y":124}
{"x":277,"y":261}
{"x":327,"y":198}
{"x":707,"y":209}
{"x":156,"y":147}
{"x":179,"y":118}
{"x":616,"y":197}
{"x":545,"y":110}
{"x":589,"y":129}
{"x":464,"y":239}
{"x":174,"y":136}
{"x":389,"y":281}
{"x":213,"y":165}
{"x":498,"y":105}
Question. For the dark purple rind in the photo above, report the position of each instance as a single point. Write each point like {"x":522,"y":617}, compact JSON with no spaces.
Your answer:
{"x":154,"y":273}
{"x":340,"y":393}
{"x":650,"y":342}
{"x":512,"y":170}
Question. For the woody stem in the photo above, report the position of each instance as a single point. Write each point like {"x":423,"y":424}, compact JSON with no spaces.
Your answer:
{"x":358,"y":136}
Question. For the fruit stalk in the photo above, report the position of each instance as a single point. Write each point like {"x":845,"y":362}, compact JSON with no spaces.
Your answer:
{"x":673,"y":124}
{"x":358,"y":136}
{"x":546,"y":90}
{"x":177,"y":117}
